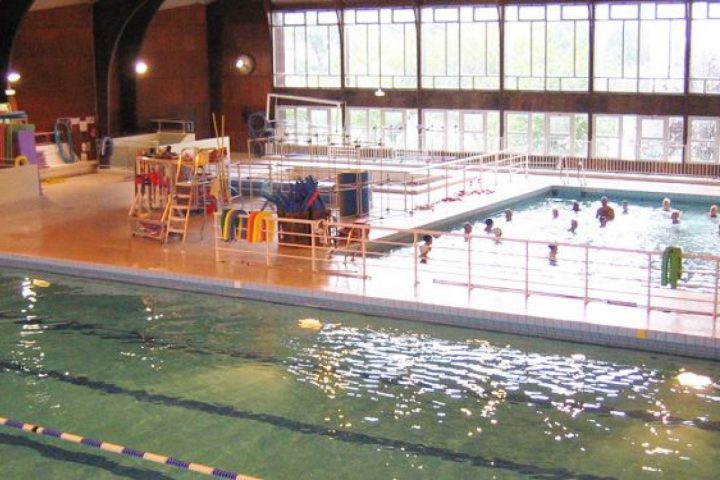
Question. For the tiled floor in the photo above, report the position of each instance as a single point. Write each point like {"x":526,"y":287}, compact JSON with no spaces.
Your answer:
{"x":85,"y":219}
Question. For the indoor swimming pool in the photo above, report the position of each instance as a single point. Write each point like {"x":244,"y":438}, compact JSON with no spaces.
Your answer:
{"x":284,"y":392}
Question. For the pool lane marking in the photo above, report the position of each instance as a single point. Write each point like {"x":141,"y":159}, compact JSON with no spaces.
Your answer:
{"x":126,"y":451}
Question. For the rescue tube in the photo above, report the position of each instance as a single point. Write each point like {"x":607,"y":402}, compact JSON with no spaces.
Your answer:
{"x":671,"y":270}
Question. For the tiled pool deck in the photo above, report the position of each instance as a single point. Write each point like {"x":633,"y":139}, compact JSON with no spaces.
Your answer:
{"x":81,"y":228}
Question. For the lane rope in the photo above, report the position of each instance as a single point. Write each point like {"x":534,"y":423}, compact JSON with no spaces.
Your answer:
{"x":126,"y":451}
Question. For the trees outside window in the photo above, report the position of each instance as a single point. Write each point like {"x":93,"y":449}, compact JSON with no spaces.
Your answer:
{"x":547,"y":47}
{"x":306,"y":48}
{"x":640,"y":47}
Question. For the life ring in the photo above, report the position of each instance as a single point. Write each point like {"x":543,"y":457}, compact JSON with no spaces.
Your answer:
{"x":21,"y":161}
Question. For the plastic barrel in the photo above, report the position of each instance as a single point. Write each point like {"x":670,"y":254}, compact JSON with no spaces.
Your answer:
{"x":354,"y":193}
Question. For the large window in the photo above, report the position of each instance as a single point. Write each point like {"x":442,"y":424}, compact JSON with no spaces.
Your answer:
{"x":380,"y":48}
{"x":547,"y":133}
{"x":547,"y":47}
{"x":704,"y":140}
{"x":705,"y":48}
{"x":309,"y":125}
{"x":461,"y":48}
{"x":640,"y":47}
{"x":307,"y":49}
{"x":461,"y":130}
{"x":633,"y":137}
{"x":396,"y":128}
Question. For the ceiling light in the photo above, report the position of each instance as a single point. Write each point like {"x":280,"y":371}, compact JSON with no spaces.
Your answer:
{"x":379,"y":92}
{"x":13,"y":77}
{"x":141,"y":67}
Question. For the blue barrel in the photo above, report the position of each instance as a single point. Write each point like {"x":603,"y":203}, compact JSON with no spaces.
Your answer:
{"x":353,"y":193}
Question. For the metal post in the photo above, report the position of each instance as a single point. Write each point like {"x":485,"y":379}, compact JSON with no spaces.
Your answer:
{"x":415,"y":258}
{"x":469,"y":243}
{"x":717,"y":285}
{"x":527,"y":270}
{"x":313,"y":229}
{"x":267,"y":241}
{"x":587,"y":274}
{"x":364,"y":232}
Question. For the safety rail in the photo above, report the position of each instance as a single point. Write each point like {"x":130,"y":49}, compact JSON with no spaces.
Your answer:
{"x":582,"y":272}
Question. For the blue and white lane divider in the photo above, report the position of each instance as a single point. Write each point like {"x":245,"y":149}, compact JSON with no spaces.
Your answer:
{"x":119,"y":449}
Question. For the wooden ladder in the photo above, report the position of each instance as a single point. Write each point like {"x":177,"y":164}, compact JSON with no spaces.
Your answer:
{"x":184,"y":197}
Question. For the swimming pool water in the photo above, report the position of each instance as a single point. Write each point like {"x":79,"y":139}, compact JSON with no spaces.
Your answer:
{"x":239,"y":385}
{"x":645,"y":227}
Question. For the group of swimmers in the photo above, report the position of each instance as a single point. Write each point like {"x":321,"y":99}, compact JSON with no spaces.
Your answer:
{"x":603,"y":214}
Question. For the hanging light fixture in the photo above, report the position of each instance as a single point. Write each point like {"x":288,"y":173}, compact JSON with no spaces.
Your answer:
{"x":379,"y":92}
{"x":141,"y":67}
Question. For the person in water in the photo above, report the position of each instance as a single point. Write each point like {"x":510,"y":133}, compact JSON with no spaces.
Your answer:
{"x":675,"y":217}
{"x":425,"y":248}
{"x":605,"y":210}
{"x":573,"y":226}
{"x":552,"y":254}
{"x":576,"y":206}
{"x":497,"y":231}
{"x":555,"y":213}
{"x":713,"y":211}
{"x":666,"y":204}
{"x":467,"y":230}
{"x":625,"y":207}
{"x":508,"y":215}
{"x":488,"y":225}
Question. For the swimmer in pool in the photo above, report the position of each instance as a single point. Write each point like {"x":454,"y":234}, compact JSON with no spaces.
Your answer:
{"x":713,"y":211}
{"x":573,"y":226}
{"x":508,"y":215}
{"x":467,"y":229}
{"x":605,"y":210}
{"x":555,"y":213}
{"x":675,"y":217}
{"x":552,"y":254}
{"x":425,"y":248}
{"x":497,"y":231}
{"x":576,"y":206}
{"x":488,"y":225}
{"x":666,"y":204}
{"x":625,"y":207}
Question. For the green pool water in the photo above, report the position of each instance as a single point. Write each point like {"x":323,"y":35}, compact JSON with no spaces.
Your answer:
{"x":239,"y":385}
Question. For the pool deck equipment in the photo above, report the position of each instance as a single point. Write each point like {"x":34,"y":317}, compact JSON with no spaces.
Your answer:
{"x":125,"y":451}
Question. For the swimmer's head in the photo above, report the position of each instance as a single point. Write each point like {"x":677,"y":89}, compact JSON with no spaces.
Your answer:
{"x":573,"y":225}
{"x":427,"y":238}
{"x":666,"y":203}
{"x":604,"y":200}
{"x":713,"y":211}
{"x":576,"y":206}
{"x":508,"y":214}
{"x":675,"y":216}
{"x":467,"y":227}
{"x":488,"y":223}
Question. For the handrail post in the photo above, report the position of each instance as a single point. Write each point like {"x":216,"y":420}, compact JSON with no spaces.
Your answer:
{"x":415,"y":258}
{"x":469,"y":269}
{"x":266,"y":231}
{"x":313,"y":229}
{"x":715,"y":303}
{"x":527,"y":270}
{"x":587,"y":274}
{"x":365,"y":233}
